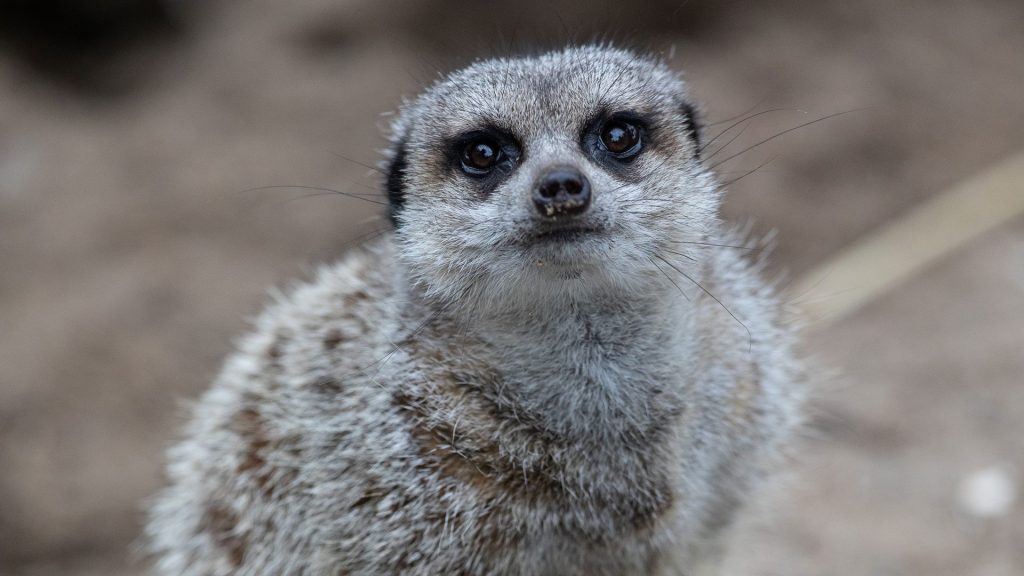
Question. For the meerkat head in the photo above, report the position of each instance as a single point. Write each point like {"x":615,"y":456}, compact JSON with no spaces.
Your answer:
{"x":520,"y":181}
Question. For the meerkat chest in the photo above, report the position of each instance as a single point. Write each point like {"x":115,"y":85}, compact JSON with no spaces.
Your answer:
{"x":590,"y":416}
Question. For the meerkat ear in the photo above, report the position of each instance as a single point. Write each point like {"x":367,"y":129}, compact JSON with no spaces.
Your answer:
{"x":693,"y":126}
{"x":395,"y":183}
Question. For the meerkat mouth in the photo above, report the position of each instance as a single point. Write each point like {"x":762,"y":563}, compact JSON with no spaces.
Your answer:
{"x":567,"y":234}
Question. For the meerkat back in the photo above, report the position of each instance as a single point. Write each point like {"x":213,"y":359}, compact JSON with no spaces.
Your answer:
{"x":554,"y":364}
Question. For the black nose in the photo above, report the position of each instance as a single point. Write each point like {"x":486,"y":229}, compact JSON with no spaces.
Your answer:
{"x":562,"y":192}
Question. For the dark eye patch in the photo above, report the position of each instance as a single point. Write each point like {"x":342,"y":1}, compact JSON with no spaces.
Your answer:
{"x":693,"y":127}
{"x":395,"y":183}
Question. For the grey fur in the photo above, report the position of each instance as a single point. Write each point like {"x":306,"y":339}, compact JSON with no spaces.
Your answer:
{"x":456,"y":399}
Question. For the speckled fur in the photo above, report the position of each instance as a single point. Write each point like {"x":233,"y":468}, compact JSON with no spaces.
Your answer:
{"x":455,"y":399}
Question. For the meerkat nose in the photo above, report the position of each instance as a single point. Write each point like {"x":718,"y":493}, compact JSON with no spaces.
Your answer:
{"x":562,"y":192}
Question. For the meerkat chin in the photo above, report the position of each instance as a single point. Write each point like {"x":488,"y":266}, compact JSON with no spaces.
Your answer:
{"x":555,"y":364}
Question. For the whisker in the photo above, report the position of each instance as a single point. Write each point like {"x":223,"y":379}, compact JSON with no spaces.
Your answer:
{"x":747,"y":119}
{"x":712,"y":244}
{"x":376,"y":169}
{"x":740,"y":115}
{"x":750,"y":336}
{"x":674,"y":283}
{"x":749,"y":172}
{"x":364,"y":197}
{"x":784,"y":132}
{"x":366,"y":237}
{"x":682,"y":254}
{"x":312,"y":195}
{"x":726,"y":145}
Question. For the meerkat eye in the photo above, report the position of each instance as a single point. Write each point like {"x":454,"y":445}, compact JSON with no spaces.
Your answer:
{"x":621,"y":138}
{"x":480,"y":156}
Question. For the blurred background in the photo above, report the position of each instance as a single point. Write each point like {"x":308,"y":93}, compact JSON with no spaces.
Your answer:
{"x":133,"y":247}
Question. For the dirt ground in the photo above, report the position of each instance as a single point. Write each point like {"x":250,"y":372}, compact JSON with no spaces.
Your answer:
{"x":131,"y":255}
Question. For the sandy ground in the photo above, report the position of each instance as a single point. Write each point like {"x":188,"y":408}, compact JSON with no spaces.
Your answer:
{"x":130,"y":257}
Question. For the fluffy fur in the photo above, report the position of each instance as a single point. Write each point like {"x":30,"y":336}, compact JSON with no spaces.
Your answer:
{"x":460,"y":398}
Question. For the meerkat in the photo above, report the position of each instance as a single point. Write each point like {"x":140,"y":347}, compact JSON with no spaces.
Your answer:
{"x":555,"y":363}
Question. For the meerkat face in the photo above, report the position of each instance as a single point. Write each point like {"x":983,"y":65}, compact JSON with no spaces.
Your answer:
{"x":549,"y":176}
